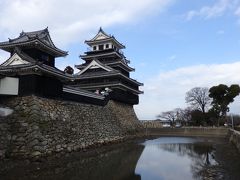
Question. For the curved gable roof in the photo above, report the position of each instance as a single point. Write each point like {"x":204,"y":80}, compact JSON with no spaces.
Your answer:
{"x":24,"y":38}
{"x":95,"y":64}
{"x":102,"y":37}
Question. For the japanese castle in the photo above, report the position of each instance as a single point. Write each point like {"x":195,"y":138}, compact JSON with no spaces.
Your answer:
{"x":104,"y":74}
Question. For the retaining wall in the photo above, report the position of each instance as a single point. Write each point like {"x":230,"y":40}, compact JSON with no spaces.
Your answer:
{"x":39,"y":126}
{"x":234,"y":137}
{"x":188,"y":131}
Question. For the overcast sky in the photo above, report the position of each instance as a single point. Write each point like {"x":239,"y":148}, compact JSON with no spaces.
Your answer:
{"x":174,"y":45}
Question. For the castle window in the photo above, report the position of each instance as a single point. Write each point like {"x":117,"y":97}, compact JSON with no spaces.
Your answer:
{"x":107,"y":46}
{"x":94,"y":48}
{"x":100,"y":47}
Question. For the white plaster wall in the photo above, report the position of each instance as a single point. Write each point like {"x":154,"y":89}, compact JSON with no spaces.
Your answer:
{"x":9,"y":86}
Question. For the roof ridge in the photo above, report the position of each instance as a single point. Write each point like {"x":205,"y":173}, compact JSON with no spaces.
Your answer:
{"x":42,"y":36}
{"x":37,"y":32}
{"x":29,"y":33}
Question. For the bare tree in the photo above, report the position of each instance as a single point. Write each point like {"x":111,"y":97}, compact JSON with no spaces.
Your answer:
{"x":177,"y":115}
{"x":184,"y":115}
{"x":198,"y":98}
{"x":169,"y":115}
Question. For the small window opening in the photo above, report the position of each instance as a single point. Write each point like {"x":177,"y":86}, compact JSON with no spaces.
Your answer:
{"x":100,"y":47}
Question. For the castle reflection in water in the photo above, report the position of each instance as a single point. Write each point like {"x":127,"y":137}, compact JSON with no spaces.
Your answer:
{"x":158,"y":159}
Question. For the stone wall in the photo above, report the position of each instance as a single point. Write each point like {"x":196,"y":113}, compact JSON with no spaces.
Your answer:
{"x":234,"y":137}
{"x":39,"y":126}
{"x":5,"y":136}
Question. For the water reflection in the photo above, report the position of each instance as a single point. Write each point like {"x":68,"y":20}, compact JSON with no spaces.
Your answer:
{"x":183,"y":158}
{"x":115,"y":164}
{"x":165,"y":158}
{"x":201,"y":156}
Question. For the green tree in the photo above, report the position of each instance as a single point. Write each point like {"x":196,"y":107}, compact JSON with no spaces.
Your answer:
{"x":222,"y":96}
{"x":197,"y":117}
{"x":69,"y":70}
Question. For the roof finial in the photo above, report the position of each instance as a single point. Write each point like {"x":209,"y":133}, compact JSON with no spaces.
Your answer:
{"x":100,"y":29}
{"x":22,"y":33}
{"x":46,"y":29}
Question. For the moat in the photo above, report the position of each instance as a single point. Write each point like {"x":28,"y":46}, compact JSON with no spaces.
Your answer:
{"x":163,"y":158}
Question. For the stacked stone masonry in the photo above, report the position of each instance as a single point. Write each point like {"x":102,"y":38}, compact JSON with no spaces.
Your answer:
{"x":40,"y":127}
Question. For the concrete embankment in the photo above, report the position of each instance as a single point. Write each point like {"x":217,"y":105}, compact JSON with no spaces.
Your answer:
{"x":187,"y":131}
{"x":234,"y":137}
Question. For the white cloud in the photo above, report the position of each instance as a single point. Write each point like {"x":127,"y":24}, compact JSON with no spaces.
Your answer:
{"x":216,"y":10}
{"x":167,"y":90}
{"x":237,"y":12}
{"x":71,"y":20}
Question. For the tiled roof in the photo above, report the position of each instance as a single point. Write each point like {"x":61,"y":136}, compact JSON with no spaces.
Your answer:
{"x":35,"y":68}
{"x":108,"y":37}
{"x":27,"y":38}
{"x":79,"y":91}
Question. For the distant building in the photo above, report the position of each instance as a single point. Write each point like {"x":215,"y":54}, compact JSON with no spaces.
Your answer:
{"x":156,"y":123}
{"x":31,"y":70}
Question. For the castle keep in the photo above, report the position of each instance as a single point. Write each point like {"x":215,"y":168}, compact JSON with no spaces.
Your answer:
{"x":106,"y":66}
{"x":31,"y":70}
{"x":44,"y":110}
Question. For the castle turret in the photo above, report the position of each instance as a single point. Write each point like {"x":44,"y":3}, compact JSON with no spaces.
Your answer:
{"x":31,"y":66}
{"x":36,"y":45}
{"x":106,"y":66}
